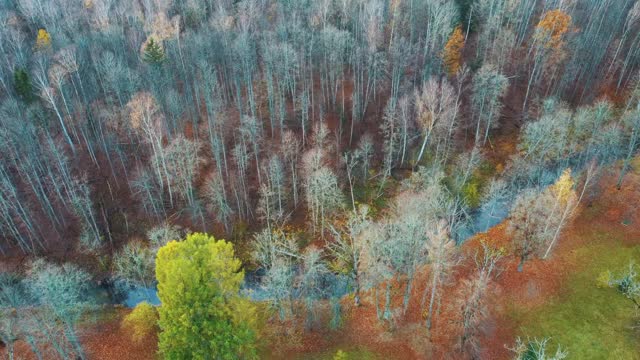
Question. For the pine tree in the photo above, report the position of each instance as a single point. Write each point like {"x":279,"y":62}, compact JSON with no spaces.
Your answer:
{"x":22,"y":85}
{"x":153,"y":53}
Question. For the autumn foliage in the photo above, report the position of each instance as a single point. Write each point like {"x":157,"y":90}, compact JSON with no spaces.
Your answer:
{"x":452,"y":54}
{"x":552,"y":27}
{"x":43,"y":40}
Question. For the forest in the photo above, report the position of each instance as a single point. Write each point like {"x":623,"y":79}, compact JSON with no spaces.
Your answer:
{"x":320,"y":179}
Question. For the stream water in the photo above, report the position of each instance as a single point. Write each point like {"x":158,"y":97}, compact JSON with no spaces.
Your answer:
{"x":481,"y":221}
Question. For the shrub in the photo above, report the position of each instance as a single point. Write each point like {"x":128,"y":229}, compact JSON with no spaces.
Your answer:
{"x":141,"y":322}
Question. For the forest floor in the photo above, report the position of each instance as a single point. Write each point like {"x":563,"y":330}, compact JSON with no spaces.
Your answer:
{"x":558,"y":298}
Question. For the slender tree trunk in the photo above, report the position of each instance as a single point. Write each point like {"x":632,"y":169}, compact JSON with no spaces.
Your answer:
{"x":523,"y":258}
{"x":377,"y":303}
{"x":407,"y":293}
{"x":356,"y":297}
{"x":434,"y":288}
{"x":387,"y":301}
{"x":557,"y":232}
{"x":627,"y":160}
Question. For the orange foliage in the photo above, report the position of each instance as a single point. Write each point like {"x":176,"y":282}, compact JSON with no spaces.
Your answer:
{"x":552,"y":27}
{"x":452,"y":54}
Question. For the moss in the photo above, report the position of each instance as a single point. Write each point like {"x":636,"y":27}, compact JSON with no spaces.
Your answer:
{"x":368,"y":194}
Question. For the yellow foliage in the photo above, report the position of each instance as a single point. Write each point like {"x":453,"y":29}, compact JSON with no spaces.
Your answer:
{"x":452,"y":54}
{"x":563,"y":188}
{"x":604,"y":279}
{"x":43,"y":40}
{"x":552,"y":27}
{"x":340,"y":355}
{"x":141,"y":322}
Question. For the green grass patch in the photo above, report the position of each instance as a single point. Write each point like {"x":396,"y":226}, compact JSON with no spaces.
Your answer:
{"x":588,"y":321}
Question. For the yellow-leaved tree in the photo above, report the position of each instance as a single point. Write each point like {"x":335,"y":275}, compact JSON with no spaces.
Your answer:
{"x":564,"y":206}
{"x":537,"y":218}
{"x":562,"y":189}
{"x":43,"y":40}
{"x":548,"y":49}
{"x":203,"y":315}
{"x":452,"y":54}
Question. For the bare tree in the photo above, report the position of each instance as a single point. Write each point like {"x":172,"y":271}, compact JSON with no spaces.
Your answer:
{"x":489,"y":86}
{"x":277,"y":253}
{"x":436,"y":108}
{"x":12,"y":303}
{"x":134,"y":265}
{"x":182,"y":160}
{"x":323,"y":195}
{"x":145,"y":114}
{"x":537,"y":350}
{"x":314,"y":271}
{"x":526,"y":225}
{"x":442,"y":254}
{"x":632,"y":122}
{"x":61,"y":291}
{"x":472,"y":301}
{"x":349,"y":244}
{"x":214,"y":194}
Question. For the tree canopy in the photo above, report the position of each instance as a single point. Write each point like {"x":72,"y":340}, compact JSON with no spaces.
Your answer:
{"x":203,"y":315}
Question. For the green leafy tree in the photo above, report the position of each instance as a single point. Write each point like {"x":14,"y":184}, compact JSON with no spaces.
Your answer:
{"x":153,"y":53}
{"x":203,"y":315}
